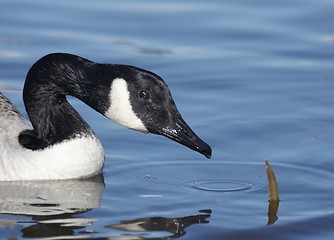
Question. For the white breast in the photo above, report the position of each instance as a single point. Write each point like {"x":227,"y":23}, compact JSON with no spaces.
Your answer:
{"x":75,"y":158}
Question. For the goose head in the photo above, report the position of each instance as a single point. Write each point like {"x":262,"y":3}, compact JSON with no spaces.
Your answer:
{"x":141,"y":100}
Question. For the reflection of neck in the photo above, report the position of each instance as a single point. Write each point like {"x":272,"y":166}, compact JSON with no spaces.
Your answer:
{"x":176,"y":226}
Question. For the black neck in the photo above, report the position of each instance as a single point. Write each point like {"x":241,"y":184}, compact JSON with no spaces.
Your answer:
{"x":48,"y":82}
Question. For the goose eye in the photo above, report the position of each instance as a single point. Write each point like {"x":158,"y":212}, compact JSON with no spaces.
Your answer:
{"x":144,"y":94}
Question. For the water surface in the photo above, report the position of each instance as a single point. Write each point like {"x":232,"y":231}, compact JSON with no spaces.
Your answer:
{"x":253,"y":78}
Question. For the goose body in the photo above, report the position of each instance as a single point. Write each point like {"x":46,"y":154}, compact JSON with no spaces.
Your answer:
{"x":57,"y":143}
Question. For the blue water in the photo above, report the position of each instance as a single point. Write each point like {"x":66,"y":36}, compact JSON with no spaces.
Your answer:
{"x":254,"y":79}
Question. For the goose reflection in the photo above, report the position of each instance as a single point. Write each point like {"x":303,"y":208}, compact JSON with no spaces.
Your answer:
{"x":49,"y":198}
{"x":55,"y":209}
{"x":52,"y":205}
{"x":174,"y":227}
{"x":141,"y":228}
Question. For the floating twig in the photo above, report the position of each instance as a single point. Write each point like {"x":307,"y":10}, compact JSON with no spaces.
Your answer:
{"x":273,"y":195}
{"x":272,"y":183}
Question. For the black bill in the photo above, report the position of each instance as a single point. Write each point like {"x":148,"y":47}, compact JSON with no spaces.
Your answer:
{"x":180,"y":132}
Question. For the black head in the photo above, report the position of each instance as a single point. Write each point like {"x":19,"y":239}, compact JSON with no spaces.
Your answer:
{"x":149,"y":107}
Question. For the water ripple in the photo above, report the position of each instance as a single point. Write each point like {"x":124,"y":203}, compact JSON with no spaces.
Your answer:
{"x":223,"y":185}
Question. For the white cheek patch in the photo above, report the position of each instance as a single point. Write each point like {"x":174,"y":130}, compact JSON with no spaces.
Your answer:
{"x":120,"y":110}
